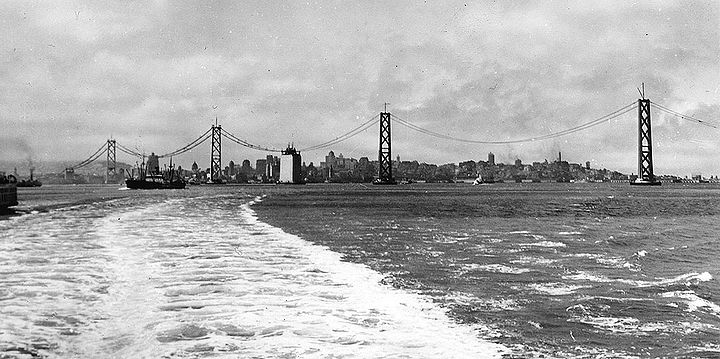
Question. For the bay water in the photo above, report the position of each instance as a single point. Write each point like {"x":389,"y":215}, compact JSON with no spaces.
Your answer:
{"x":357,"y":271}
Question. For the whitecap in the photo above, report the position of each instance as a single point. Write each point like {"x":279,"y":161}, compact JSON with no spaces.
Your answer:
{"x":685,"y":279}
{"x":692,"y":301}
{"x":556,"y":288}
{"x":612,"y":324}
{"x":547,"y":244}
{"x":496,"y":268}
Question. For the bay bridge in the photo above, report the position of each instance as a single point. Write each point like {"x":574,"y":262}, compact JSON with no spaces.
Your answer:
{"x":385,"y":119}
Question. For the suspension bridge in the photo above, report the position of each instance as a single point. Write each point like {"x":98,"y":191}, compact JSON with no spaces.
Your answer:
{"x":216,"y":133}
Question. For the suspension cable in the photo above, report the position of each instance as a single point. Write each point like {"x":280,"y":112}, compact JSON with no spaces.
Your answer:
{"x":619,"y":112}
{"x":364,"y":126}
{"x":197,"y":142}
{"x":682,"y":116}
{"x":128,"y":151}
{"x":241,"y":142}
{"x":92,"y":157}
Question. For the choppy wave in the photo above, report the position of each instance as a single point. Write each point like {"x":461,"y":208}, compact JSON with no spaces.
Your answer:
{"x":687,"y":279}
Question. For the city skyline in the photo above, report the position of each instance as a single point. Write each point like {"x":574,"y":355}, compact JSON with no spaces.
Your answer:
{"x":98,"y":166}
{"x":155,"y":77}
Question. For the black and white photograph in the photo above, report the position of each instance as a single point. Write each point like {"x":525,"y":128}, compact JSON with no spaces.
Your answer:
{"x":359,"y":179}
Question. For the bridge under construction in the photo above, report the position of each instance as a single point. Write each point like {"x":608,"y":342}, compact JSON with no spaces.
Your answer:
{"x":385,"y":120}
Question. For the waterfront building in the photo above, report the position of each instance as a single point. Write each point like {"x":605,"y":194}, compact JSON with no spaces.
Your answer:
{"x":272,"y":168}
{"x":290,"y":166}
{"x":338,"y":166}
{"x":260,"y":169}
{"x":246,"y":169}
{"x":231,"y":168}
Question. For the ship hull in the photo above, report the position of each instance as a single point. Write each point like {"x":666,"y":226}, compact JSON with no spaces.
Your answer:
{"x":8,"y":196}
{"x":142,"y":184}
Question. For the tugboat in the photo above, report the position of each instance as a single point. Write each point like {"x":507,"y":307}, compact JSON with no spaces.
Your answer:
{"x":150,"y":177}
{"x":8,"y":191}
{"x":31,"y":182}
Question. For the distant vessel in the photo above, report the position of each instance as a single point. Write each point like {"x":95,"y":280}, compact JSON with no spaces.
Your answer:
{"x":31,"y":182}
{"x":384,"y":181}
{"x":150,"y":177}
{"x":480,"y":180}
{"x":8,"y":191}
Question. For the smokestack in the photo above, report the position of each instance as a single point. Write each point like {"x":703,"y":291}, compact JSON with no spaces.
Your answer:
{"x":559,"y":156}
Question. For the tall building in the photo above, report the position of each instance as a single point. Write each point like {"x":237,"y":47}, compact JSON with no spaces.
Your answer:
{"x":329,"y":160}
{"x":336,"y":165}
{"x":272,"y":168}
{"x":246,"y":169}
{"x":290,"y":166}
{"x":491,"y":159}
{"x":260,"y":167}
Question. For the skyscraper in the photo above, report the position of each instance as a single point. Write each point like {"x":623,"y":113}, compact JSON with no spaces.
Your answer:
{"x":491,"y":159}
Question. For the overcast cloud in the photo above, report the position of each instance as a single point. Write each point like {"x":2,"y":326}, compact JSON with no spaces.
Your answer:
{"x":155,"y":75}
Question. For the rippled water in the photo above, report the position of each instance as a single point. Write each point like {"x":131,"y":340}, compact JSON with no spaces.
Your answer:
{"x":547,"y":270}
{"x":97,"y":273}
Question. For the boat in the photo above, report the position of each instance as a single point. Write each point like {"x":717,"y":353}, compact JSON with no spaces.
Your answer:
{"x":30,"y":182}
{"x":150,"y":177}
{"x":480,"y":180}
{"x":8,"y":191}
{"x":154,"y":182}
{"x":384,"y":181}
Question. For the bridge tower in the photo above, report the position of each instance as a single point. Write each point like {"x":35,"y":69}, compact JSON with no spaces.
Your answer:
{"x":646,"y":176}
{"x":111,"y":173}
{"x":215,"y":155}
{"x":384,"y":153}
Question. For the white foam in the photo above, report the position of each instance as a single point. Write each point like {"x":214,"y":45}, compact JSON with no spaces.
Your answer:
{"x":164,"y":285}
{"x":612,"y":324}
{"x":548,"y":244}
{"x":556,"y":288}
{"x":409,"y":324}
{"x":496,"y":268}
{"x":533,"y":260}
{"x":684,"y":279}
{"x":692,"y":301}
{"x":491,"y":304}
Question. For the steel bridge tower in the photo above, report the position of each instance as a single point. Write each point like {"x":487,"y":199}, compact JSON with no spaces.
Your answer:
{"x":645,"y":162}
{"x":384,"y":154}
{"x":215,"y":155}
{"x":111,"y":173}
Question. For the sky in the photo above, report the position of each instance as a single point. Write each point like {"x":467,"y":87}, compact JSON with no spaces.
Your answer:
{"x":154,"y":75}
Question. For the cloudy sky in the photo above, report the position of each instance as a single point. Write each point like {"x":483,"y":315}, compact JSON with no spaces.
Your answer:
{"x":155,"y":75}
